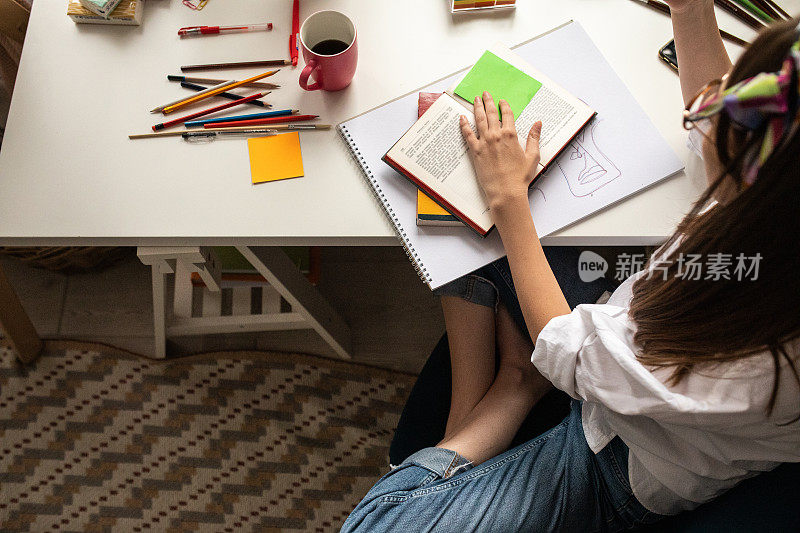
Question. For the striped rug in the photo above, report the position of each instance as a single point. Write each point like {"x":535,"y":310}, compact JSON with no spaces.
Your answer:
{"x":92,"y":439}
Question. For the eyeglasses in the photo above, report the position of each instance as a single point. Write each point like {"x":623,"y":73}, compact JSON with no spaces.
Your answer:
{"x":711,"y":88}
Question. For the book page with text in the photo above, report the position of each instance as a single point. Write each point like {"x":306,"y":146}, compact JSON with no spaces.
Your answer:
{"x":561,"y":113}
{"x":434,"y":151}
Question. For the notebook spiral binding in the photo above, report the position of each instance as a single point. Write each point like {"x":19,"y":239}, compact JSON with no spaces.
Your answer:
{"x":422,"y":272}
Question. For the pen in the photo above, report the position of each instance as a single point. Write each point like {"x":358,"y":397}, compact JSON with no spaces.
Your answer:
{"x":294,"y":38}
{"x":189,"y":79}
{"x":229,"y":96}
{"x":275,"y":127}
{"x":208,"y":111}
{"x":210,"y":135}
{"x":216,"y":30}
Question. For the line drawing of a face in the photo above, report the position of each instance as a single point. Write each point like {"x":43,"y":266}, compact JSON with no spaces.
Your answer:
{"x":584,"y":166}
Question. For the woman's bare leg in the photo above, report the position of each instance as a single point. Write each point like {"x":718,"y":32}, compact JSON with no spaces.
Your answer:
{"x":489,"y":428}
{"x":471,"y":334}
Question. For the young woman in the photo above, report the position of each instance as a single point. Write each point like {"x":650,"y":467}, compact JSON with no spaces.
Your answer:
{"x":683,"y":385}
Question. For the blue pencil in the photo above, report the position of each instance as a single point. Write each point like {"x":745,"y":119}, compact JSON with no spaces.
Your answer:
{"x":279,"y":113}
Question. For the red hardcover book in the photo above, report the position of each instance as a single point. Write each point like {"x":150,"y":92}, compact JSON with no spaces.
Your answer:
{"x":432,"y":154}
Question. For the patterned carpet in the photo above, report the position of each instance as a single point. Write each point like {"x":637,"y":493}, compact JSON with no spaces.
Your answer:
{"x":92,"y":439}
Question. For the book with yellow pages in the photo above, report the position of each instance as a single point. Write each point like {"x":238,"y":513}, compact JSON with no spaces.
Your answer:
{"x":429,"y":213}
{"x":432,"y":154}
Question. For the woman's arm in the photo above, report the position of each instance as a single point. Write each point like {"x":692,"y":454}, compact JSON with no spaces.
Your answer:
{"x":505,"y":171}
{"x":701,"y":54}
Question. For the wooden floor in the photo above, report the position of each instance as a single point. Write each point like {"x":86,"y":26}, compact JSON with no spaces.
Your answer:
{"x":394,"y":318}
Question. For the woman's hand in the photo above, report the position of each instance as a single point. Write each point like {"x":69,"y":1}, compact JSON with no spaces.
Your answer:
{"x":504,"y":169}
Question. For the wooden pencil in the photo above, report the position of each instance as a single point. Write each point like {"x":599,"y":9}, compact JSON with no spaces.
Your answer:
{"x":661,"y":7}
{"x":208,"y":111}
{"x":740,"y":14}
{"x":768,"y":9}
{"x":778,"y":9}
{"x":215,"y":81}
{"x":240,"y":64}
{"x":222,"y":83}
{"x":228,"y":87}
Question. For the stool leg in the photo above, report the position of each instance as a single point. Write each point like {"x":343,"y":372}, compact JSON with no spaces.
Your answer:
{"x":15,"y":323}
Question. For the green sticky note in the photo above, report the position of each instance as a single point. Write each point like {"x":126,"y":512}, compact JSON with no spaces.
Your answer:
{"x":502,"y":80}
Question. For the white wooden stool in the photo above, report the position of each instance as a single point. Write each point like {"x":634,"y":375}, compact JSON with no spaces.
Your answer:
{"x":307,"y":308}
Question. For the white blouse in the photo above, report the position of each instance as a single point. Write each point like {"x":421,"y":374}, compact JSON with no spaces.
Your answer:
{"x":688,"y":442}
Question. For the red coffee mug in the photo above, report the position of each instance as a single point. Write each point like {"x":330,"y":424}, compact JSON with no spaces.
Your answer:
{"x":330,"y":50}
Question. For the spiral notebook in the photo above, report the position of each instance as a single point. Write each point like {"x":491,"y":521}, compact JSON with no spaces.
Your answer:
{"x":619,"y":153}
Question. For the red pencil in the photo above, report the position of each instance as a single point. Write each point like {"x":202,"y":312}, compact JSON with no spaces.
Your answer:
{"x":208,"y":111}
{"x":257,"y":121}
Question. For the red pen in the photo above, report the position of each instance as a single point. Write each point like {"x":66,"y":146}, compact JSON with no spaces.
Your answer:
{"x":257,"y":121}
{"x":208,"y":111}
{"x":294,"y":38}
{"x":214,"y":30}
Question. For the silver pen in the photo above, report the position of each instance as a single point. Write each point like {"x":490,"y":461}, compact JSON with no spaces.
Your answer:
{"x":195,"y":136}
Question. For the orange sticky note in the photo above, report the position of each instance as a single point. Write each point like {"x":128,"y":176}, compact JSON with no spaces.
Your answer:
{"x":277,"y":157}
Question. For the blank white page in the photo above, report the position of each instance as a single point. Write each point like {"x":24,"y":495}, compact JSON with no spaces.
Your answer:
{"x":618,"y":154}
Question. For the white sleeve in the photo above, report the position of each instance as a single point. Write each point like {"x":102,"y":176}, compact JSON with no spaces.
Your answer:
{"x":590,"y":355}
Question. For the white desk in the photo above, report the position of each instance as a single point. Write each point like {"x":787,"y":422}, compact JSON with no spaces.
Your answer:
{"x":70,"y":176}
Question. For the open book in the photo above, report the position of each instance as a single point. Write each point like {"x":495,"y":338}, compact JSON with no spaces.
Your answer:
{"x":433,"y":154}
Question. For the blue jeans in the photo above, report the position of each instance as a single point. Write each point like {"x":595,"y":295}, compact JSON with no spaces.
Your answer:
{"x":551,"y":483}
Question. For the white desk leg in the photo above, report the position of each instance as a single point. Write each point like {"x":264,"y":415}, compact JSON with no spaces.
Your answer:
{"x":282,"y":274}
{"x":159,"y":311}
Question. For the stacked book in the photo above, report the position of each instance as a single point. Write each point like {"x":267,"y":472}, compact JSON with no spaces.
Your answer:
{"x":124,"y":12}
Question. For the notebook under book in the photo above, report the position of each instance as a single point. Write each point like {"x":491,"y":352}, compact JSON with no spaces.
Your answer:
{"x":432,"y":154}
{"x":619,"y":153}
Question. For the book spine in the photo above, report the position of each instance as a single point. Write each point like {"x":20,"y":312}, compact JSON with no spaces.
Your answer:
{"x":422,"y":272}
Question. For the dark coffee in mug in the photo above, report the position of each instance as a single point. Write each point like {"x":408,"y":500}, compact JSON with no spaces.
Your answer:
{"x":329,"y":47}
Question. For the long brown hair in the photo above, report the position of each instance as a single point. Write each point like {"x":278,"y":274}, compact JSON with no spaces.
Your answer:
{"x":682,"y":322}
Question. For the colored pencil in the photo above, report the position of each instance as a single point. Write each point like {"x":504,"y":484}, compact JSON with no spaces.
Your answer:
{"x":740,"y":14}
{"x":661,"y":7}
{"x":229,"y":96}
{"x":279,"y":113}
{"x":208,"y":111}
{"x":240,"y":64}
{"x":259,"y":85}
{"x":288,"y":127}
{"x":755,"y":10}
{"x":778,"y":9}
{"x":232,"y":85}
{"x":276,"y":127}
{"x":160,"y":108}
{"x":768,"y":9}
{"x":261,"y":121}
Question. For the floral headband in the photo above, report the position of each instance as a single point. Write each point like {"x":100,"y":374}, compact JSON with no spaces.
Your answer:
{"x":763,"y":99}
